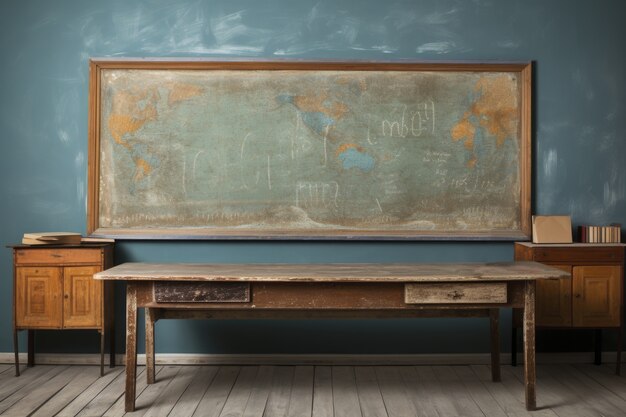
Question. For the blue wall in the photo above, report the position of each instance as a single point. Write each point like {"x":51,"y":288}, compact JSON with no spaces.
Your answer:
{"x":579,"y":163}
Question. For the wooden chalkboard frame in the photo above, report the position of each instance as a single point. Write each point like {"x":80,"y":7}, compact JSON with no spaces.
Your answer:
{"x":96,"y":66}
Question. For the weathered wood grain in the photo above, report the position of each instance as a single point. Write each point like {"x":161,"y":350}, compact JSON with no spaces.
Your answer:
{"x":90,"y":392}
{"x":379,"y":272}
{"x":529,"y":346}
{"x":85,"y":377}
{"x":201,"y":292}
{"x":188,"y":402}
{"x":455,"y":293}
{"x":215,"y":396}
{"x":323,"y":392}
{"x":345,"y":395}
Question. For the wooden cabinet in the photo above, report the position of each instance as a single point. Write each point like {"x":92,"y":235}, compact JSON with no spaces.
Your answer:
{"x":54,"y":289}
{"x":592,"y":298}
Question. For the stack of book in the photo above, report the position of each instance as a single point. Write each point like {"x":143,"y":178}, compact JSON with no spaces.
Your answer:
{"x":600,"y":234}
{"x":60,"y":238}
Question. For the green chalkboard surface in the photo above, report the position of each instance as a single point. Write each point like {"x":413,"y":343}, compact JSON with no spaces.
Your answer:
{"x":198,"y":149}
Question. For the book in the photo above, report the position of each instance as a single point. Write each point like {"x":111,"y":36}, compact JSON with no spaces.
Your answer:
{"x":552,"y":229}
{"x":89,"y":239}
{"x":51,"y":238}
{"x":600,"y":234}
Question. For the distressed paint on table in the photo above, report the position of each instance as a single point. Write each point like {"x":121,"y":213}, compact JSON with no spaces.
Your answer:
{"x":281,"y":289}
{"x":352,"y":272}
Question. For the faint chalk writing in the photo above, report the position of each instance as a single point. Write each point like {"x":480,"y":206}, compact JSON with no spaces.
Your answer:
{"x":317,"y":194}
{"x":414,"y":122}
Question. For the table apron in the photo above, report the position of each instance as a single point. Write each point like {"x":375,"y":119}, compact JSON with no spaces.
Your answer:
{"x":338,"y":296}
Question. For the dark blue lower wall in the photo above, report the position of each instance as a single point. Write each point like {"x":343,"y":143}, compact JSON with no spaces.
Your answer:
{"x":579,"y":145}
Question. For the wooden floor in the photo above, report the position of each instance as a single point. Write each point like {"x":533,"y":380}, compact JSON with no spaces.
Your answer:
{"x":394,"y":391}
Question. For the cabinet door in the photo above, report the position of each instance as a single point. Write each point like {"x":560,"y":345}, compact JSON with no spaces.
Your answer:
{"x":38,"y":297}
{"x":597,"y":293}
{"x":82,"y":297}
{"x":554,"y":300}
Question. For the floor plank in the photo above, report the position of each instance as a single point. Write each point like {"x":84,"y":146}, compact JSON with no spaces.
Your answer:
{"x":421,"y":394}
{"x":237,"y":400}
{"x":188,"y":402}
{"x":605,"y":376}
{"x":478,"y":392}
{"x":314,"y":391}
{"x":323,"y":392}
{"x":345,"y":395}
{"x":77,"y":404}
{"x":39,"y":378}
{"x":112,"y":395}
{"x":397,"y":401}
{"x":280,"y":392}
{"x":260,"y":392}
{"x":216,"y":395}
{"x":10,"y":384}
{"x":462,"y":401}
{"x":301,"y":399}
{"x":439,"y":396}
{"x":42,"y":393}
{"x":86,"y":376}
{"x":368,"y":390}
{"x":165,"y":402}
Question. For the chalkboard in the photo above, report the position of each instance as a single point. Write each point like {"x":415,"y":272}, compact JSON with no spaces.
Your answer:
{"x":206,"y":149}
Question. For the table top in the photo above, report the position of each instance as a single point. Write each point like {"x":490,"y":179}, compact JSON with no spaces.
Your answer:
{"x":339,"y":272}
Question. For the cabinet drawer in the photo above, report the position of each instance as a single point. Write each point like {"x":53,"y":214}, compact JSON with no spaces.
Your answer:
{"x":455,"y":293}
{"x":57,"y":256}
{"x":201,"y":292}
{"x":579,"y":255}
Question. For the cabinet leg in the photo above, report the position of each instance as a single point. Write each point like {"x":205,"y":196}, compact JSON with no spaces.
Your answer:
{"x":494,"y":321}
{"x":111,"y":331}
{"x":31,"y":348}
{"x":513,"y":344}
{"x":598,"y":346}
{"x":102,"y":353}
{"x":17,"y":353}
{"x":620,"y":341}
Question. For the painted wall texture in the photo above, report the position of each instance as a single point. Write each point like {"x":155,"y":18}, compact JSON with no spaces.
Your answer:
{"x":579,"y":141}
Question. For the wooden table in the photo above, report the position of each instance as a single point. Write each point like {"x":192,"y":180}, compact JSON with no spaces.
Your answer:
{"x":328,"y":291}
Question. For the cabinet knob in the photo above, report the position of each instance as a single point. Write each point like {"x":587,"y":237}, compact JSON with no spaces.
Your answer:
{"x":577,"y":295}
{"x":66,"y":296}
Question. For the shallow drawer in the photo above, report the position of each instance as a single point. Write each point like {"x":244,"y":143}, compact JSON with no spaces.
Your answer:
{"x":57,"y":256}
{"x":453,"y":293}
{"x":579,"y":255}
{"x":201,"y":292}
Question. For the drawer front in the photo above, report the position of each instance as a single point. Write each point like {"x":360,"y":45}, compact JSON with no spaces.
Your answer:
{"x":579,"y":255}
{"x":57,"y":256}
{"x":201,"y":292}
{"x":488,"y":293}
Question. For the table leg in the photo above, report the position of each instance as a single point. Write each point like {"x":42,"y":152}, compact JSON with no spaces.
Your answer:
{"x":17,"y":354}
{"x":150,"y":319}
{"x":131,"y":346}
{"x":529,"y":345}
{"x":494,"y":321}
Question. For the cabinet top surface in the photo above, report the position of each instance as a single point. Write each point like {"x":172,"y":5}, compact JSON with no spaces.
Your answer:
{"x":77,"y":246}
{"x":347,"y":272}
{"x":571,"y":245}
